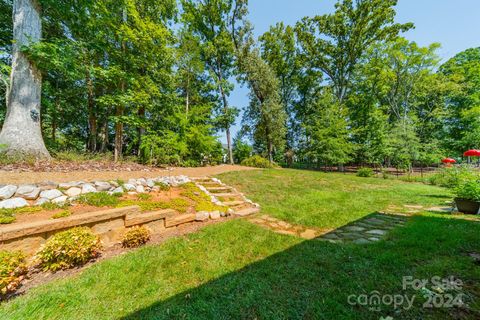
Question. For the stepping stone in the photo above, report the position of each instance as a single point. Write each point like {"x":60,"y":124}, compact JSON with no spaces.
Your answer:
{"x":350,"y":236}
{"x":361,"y":241}
{"x":308,"y":234}
{"x":355,"y":228}
{"x":413,"y":206}
{"x":284,"y":224}
{"x":374,"y":239}
{"x":286,"y":232}
{"x":332,"y":236}
{"x":377,"y":232}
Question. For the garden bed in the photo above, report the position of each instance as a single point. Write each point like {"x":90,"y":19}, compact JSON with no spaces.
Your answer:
{"x":107,"y":214}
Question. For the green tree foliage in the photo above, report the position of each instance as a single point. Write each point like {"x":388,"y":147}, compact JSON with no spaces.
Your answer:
{"x":463,"y":120}
{"x":334,"y":43}
{"x":328,"y":131}
{"x":215,"y":24}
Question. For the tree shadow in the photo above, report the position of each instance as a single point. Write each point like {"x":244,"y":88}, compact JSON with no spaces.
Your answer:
{"x":316,"y":279}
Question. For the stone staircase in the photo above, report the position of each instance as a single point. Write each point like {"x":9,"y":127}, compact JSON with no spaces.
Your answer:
{"x":227,"y":196}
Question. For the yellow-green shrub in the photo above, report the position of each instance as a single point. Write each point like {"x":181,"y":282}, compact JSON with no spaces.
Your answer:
{"x":12,"y":270}
{"x":69,"y":248}
{"x":135,"y":237}
{"x":258,"y":162}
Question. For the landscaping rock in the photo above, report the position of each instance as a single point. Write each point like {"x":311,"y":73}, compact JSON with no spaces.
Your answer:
{"x":202,"y":216}
{"x":47,"y":185}
{"x":67,"y":185}
{"x":117,"y":190}
{"x":132,"y":181}
{"x":28,"y":192}
{"x":129,"y":187}
{"x":7,"y":192}
{"x":140,"y":189}
{"x":215,"y":215}
{"x":73,"y":192}
{"x":142,"y":182}
{"x":60,"y":200}
{"x":41,"y":201}
{"x":150,"y":183}
{"x":51,"y":194}
{"x":13,"y":203}
{"x":88,"y":188}
{"x":102,"y":186}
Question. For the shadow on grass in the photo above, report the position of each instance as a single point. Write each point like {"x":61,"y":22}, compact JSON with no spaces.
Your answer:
{"x":316,"y":279}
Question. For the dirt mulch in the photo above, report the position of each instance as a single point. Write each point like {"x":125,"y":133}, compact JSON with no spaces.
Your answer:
{"x":79,"y":173}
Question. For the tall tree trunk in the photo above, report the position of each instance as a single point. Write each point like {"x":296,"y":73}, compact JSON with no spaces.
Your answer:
{"x":141,"y":129}
{"x":118,"y":151}
{"x":21,"y":132}
{"x":227,"y":129}
{"x":118,"y":135}
{"x":104,"y":136}
{"x":92,"y":117}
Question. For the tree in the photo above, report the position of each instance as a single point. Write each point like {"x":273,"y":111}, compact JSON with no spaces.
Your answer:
{"x":328,"y":131}
{"x":265,"y":116}
{"x":215,"y":23}
{"x":21,"y":132}
{"x":462,"y":124}
{"x":334,"y":43}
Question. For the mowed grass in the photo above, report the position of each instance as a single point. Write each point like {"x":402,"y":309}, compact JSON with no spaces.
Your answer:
{"x":330,"y":200}
{"x":237,"y":270}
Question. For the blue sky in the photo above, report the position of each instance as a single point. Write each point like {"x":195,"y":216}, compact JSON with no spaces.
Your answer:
{"x":452,"y":23}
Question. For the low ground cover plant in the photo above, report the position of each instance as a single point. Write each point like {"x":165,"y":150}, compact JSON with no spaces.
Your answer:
{"x":136,"y":237}
{"x":257,"y":161}
{"x":68,"y":249}
{"x":62,"y":214}
{"x":12,"y":270}
{"x":365,"y":172}
{"x":100,"y":199}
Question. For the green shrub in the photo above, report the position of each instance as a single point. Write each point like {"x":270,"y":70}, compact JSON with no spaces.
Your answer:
{"x":99,"y":199}
{"x":136,"y":237}
{"x":365,"y":173}
{"x":468,"y":190}
{"x":7,"y":216}
{"x":69,"y":248}
{"x":453,"y":177}
{"x":12,"y":270}
{"x":62,"y":214}
{"x":257,"y":161}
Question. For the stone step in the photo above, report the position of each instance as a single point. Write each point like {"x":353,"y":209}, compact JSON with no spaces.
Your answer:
{"x":228,"y":195}
{"x":180,"y":219}
{"x":234,"y":203}
{"x":247,"y":211}
{"x":219,"y":189}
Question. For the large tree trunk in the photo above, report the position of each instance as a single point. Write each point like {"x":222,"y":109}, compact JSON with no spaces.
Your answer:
{"x":21,"y":132}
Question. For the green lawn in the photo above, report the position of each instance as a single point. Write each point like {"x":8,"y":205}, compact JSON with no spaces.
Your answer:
{"x":329,"y":200}
{"x":237,"y":270}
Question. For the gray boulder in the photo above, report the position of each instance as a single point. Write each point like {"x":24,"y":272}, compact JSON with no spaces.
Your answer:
{"x":28,"y":192}
{"x":7,"y":192}
{"x":13,"y":203}
{"x":51,"y":194}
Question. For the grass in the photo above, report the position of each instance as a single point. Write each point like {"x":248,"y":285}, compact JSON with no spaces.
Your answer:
{"x":329,"y":200}
{"x":237,"y":270}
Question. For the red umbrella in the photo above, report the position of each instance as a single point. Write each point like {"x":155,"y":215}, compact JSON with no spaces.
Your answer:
{"x":472,"y":153}
{"x":449,"y":160}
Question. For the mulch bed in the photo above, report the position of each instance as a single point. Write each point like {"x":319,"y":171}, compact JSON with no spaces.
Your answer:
{"x":36,"y":277}
{"x":69,"y":166}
